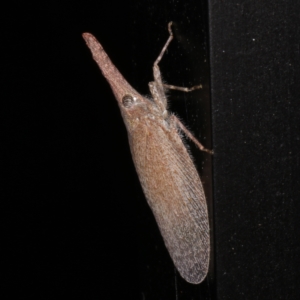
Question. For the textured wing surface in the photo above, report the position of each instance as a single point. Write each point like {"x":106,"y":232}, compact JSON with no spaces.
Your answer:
{"x":175,"y":194}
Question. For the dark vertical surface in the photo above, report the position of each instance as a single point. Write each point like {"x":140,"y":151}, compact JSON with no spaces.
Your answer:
{"x":255,"y":79}
{"x":76,"y":223}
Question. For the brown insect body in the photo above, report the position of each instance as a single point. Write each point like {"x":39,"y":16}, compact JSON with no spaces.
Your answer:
{"x":167,"y":174}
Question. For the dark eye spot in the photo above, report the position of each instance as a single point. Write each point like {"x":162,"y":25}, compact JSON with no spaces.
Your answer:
{"x":127,"y":101}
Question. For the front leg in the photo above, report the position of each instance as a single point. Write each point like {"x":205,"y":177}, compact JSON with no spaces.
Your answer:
{"x":157,"y":86}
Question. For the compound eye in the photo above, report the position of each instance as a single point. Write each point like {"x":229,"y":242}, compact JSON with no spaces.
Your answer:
{"x":128,"y":101}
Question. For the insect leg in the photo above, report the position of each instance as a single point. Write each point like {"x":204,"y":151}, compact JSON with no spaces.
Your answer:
{"x":157,"y":87}
{"x":177,"y":122}
{"x":165,"y":46}
{"x":183,"y":89}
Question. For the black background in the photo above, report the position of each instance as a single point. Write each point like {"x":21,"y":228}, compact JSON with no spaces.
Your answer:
{"x":255,"y":99}
{"x":76,"y":224}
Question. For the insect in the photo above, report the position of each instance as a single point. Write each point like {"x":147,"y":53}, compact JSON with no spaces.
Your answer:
{"x":166,"y":171}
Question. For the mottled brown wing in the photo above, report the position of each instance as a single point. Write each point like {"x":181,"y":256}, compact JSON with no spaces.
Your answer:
{"x":175,"y":194}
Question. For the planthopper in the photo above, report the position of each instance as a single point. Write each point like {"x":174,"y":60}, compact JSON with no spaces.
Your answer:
{"x":165,"y":168}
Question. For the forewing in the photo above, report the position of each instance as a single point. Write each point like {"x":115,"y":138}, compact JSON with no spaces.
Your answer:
{"x":174,"y":192}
